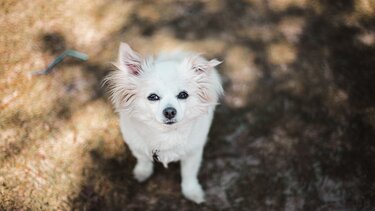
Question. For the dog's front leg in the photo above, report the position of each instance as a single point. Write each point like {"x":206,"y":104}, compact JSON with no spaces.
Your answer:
{"x":189,"y":172}
{"x":143,"y":169}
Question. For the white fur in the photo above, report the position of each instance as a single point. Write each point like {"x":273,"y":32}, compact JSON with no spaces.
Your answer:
{"x":142,"y":121}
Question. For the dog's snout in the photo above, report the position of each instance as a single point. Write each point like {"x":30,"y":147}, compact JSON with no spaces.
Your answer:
{"x":169,"y":112}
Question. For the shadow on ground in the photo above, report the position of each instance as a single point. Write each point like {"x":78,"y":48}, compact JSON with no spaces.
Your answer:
{"x":295,"y":130}
{"x":303,"y":139}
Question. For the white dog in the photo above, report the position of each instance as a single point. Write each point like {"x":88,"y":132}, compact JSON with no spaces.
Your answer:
{"x":166,"y":105}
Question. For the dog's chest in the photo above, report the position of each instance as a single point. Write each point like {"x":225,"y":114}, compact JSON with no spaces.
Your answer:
{"x":167,"y":156}
{"x":165,"y":146}
{"x":169,"y":148}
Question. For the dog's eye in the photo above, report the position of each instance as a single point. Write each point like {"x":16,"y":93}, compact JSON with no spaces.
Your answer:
{"x":153,"y":97}
{"x":182,"y":95}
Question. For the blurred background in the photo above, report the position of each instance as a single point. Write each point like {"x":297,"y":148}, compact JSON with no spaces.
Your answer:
{"x":295,"y":130}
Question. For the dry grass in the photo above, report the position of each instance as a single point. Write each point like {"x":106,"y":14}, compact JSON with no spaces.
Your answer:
{"x":60,"y":147}
{"x":50,"y":123}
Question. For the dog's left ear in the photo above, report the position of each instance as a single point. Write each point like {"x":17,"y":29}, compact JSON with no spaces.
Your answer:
{"x":207,"y":79}
{"x":129,"y":60}
{"x":201,"y":65}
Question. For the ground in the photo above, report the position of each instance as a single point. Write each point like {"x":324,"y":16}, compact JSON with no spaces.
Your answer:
{"x":295,"y":130}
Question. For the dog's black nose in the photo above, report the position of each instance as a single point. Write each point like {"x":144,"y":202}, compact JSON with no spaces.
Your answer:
{"x":169,"y":112}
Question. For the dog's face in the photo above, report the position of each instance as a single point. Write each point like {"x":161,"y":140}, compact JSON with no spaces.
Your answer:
{"x":164,"y":91}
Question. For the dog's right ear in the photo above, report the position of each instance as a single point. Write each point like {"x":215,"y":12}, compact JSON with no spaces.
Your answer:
{"x":129,"y":60}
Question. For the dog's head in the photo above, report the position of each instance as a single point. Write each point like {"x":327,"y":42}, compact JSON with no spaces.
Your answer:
{"x":166,"y":90}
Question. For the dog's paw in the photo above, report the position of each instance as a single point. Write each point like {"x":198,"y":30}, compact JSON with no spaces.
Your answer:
{"x":142,"y":171}
{"x":193,"y":192}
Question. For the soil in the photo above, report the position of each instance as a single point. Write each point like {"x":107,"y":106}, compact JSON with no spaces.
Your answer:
{"x":295,"y":130}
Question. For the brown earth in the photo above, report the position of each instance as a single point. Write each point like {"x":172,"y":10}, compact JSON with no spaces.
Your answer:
{"x":295,"y":130}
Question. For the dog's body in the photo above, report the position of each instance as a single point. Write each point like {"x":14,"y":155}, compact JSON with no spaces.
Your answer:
{"x":168,"y":146}
{"x":166,"y":107}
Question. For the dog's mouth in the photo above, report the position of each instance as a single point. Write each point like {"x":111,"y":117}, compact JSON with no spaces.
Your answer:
{"x":169,"y":122}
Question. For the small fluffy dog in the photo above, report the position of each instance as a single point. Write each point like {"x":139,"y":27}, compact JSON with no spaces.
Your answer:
{"x":166,"y":105}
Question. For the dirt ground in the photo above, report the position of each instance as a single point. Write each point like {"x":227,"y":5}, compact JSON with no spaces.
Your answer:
{"x":295,"y":130}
